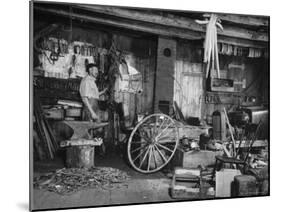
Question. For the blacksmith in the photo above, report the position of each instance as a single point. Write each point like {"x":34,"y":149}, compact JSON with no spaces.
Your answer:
{"x":90,"y":94}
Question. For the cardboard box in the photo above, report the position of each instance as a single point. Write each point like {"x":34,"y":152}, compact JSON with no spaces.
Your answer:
{"x":224,"y":179}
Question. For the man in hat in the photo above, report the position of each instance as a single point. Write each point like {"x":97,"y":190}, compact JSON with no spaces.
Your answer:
{"x":90,"y":94}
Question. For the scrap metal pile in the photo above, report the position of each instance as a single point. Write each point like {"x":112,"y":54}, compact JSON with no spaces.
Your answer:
{"x":67,"y":181}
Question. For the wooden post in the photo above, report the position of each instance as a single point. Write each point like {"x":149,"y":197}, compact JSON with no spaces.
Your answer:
{"x":230,"y":130}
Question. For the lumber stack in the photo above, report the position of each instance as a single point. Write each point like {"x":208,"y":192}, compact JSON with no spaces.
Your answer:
{"x":45,"y":144}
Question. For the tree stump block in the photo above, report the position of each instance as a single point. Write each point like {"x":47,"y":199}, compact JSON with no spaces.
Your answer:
{"x":80,"y":153}
{"x":80,"y":156}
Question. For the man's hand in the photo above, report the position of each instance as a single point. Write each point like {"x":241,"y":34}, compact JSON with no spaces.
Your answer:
{"x":103,"y":91}
{"x":94,"y":117}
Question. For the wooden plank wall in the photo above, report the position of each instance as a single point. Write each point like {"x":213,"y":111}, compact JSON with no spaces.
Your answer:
{"x":142,"y":103}
{"x":188,"y":84}
{"x":251,"y":74}
{"x":147,"y":67}
{"x":141,"y":49}
{"x":189,"y":87}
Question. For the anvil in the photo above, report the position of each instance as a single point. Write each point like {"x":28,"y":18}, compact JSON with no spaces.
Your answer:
{"x":81,"y":128}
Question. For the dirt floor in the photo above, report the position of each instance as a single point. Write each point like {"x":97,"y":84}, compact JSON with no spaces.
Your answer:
{"x":140,"y":188}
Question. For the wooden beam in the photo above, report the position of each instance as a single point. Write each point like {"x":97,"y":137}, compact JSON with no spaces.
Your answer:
{"x":242,"y":42}
{"x":129,"y":24}
{"x":247,"y":20}
{"x":156,"y":29}
{"x":178,"y":21}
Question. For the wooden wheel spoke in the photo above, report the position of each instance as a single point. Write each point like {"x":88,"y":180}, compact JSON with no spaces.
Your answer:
{"x":149,"y":158}
{"x":163,"y":147}
{"x":164,"y":130}
{"x":139,"y":142}
{"x":138,"y":156}
{"x":162,"y":124}
{"x":139,"y":148}
{"x":163,"y":157}
{"x":166,"y":134}
{"x":154,"y":156}
{"x":144,"y":157}
{"x":170,"y":133}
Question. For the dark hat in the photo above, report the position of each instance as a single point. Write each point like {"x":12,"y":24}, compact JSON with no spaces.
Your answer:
{"x":90,"y":65}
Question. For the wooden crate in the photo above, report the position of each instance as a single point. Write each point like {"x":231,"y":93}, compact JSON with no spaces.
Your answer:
{"x":192,"y":159}
{"x":245,"y":185}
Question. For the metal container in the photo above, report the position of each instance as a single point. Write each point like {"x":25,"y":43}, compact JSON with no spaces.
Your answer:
{"x":219,"y":125}
{"x":238,"y":118}
{"x":257,"y":114}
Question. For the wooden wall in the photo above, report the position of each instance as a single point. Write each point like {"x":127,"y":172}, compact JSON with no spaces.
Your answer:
{"x":147,"y":67}
{"x":189,"y":78}
{"x":187,"y":69}
{"x":251,"y":76}
{"x":142,"y":50}
{"x":252,"y":73}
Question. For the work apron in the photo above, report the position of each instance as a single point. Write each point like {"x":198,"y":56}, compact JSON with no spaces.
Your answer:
{"x":86,"y":114}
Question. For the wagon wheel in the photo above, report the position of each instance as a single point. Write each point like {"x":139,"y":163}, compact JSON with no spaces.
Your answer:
{"x":153,"y":143}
